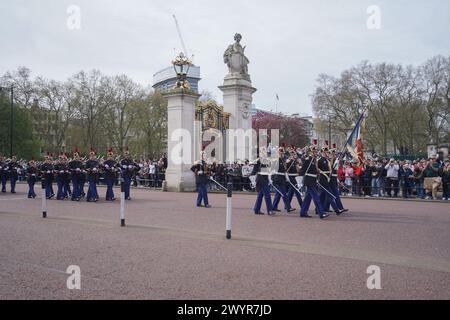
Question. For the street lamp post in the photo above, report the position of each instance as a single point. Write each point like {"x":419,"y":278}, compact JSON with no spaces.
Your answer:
{"x":11,"y":117}
{"x":329,"y":130}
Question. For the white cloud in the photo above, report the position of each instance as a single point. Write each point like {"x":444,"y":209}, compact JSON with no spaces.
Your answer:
{"x":288,"y":42}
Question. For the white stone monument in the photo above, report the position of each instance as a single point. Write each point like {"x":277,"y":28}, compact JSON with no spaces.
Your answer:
{"x":237,"y":87}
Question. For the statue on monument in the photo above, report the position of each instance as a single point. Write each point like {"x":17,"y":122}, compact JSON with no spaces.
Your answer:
{"x":235,"y":58}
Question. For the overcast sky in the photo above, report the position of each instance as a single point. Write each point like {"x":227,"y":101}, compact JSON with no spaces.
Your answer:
{"x":289,"y":43}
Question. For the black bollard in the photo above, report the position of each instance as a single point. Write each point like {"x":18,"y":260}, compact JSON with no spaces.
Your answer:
{"x":122,"y":203}
{"x":44,"y":200}
{"x":229,"y":209}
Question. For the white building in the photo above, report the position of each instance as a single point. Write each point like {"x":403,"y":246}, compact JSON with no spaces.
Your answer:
{"x":167,"y":78}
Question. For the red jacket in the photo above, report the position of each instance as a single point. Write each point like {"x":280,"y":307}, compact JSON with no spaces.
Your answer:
{"x":357,"y":170}
{"x":341,"y":173}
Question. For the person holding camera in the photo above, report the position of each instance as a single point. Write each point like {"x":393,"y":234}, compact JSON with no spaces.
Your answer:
{"x":392,"y":169}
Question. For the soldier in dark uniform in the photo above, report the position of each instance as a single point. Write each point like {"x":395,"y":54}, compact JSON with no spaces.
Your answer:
{"x":128,"y":167}
{"x":92,"y":169}
{"x":32,"y":175}
{"x":293,"y":169}
{"x":3,"y":173}
{"x":279,"y":181}
{"x":75,"y":168}
{"x":326,"y":195}
{"x":334,"y":184}
{"x":13,"y":176}
{"x":83,"y":177}
{"x":61,"y":169}
{"x":309,"y":173}
{"x":67,"y":192}
{"x":201,"y":180}
{"x":327,"y":183}
{"x":262,"y":187}
{"x":47,"y":172}
{"x":109,"y":174}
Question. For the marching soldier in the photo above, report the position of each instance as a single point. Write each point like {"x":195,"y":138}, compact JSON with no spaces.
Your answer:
{"x":67,"y":192}
{"x":326,"y":195}
{"x":334,"y":184}
{"x":61,"y":169}
{"x":109,"y":174}
{"x":92,"y":169}
{"x":3,"y":173}
{"x":309,"y":172}
{"x":13,"y":175}
{"x":262,"y":187}
{"x":32,"y":174}
{"x":75,"y":168}
{"x":47,"y":170}
{"x":293,"y":170}
{"x":201,"y":179}
{"x":83,"y":179}
{"x":128,"y":167}
{"x":279,"y":182}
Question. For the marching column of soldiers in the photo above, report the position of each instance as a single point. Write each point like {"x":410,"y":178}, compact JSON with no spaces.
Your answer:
{"x":296,"y":170}
{"x":71,"y":175}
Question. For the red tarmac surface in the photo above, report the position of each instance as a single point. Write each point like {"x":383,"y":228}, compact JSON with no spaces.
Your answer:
{"x":173,"y":250}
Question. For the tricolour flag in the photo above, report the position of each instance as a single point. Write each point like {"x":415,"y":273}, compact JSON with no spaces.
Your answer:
{"x":355,"y":140}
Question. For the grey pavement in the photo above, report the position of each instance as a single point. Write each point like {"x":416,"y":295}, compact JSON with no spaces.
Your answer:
{"x":172,"y":250}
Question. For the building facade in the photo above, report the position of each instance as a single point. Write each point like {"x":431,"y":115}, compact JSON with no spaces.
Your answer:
{"x":166,"y":78}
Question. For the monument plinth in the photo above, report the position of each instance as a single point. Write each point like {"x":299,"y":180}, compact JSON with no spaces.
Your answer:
{"x":180,"y":125}
{"x":237,"y":87}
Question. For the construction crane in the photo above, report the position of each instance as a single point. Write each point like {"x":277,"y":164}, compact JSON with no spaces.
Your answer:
{"x":181,"y":37}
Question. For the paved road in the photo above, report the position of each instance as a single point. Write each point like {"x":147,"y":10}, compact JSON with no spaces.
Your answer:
{"x":172,"y":250}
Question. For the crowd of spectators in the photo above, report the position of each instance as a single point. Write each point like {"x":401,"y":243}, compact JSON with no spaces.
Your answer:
{"x":421,"y":178}
{"x":377,"y":177}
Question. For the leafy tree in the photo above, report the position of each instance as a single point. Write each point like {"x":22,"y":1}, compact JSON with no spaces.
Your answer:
{"x":291,"y":128}
{"x":24,"y":144}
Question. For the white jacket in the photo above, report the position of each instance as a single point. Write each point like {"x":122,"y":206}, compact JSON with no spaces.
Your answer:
{"x":392,"y":170}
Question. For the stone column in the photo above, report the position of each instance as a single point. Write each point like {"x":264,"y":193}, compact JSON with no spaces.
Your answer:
{"x":237,"y":100}
{"x":181,"y":115}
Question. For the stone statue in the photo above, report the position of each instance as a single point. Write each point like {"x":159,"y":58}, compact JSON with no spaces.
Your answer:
{"x":235,"y":58}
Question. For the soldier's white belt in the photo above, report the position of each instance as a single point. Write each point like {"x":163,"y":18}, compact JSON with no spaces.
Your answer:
{"x":279,"y":173}
{"x":293,"y":175}
{"x":334,"y":175}
{"x":311,"y":175}
{"x":263,"y":173}
{"x":299,"y":180}
{"x":253,"y":181}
